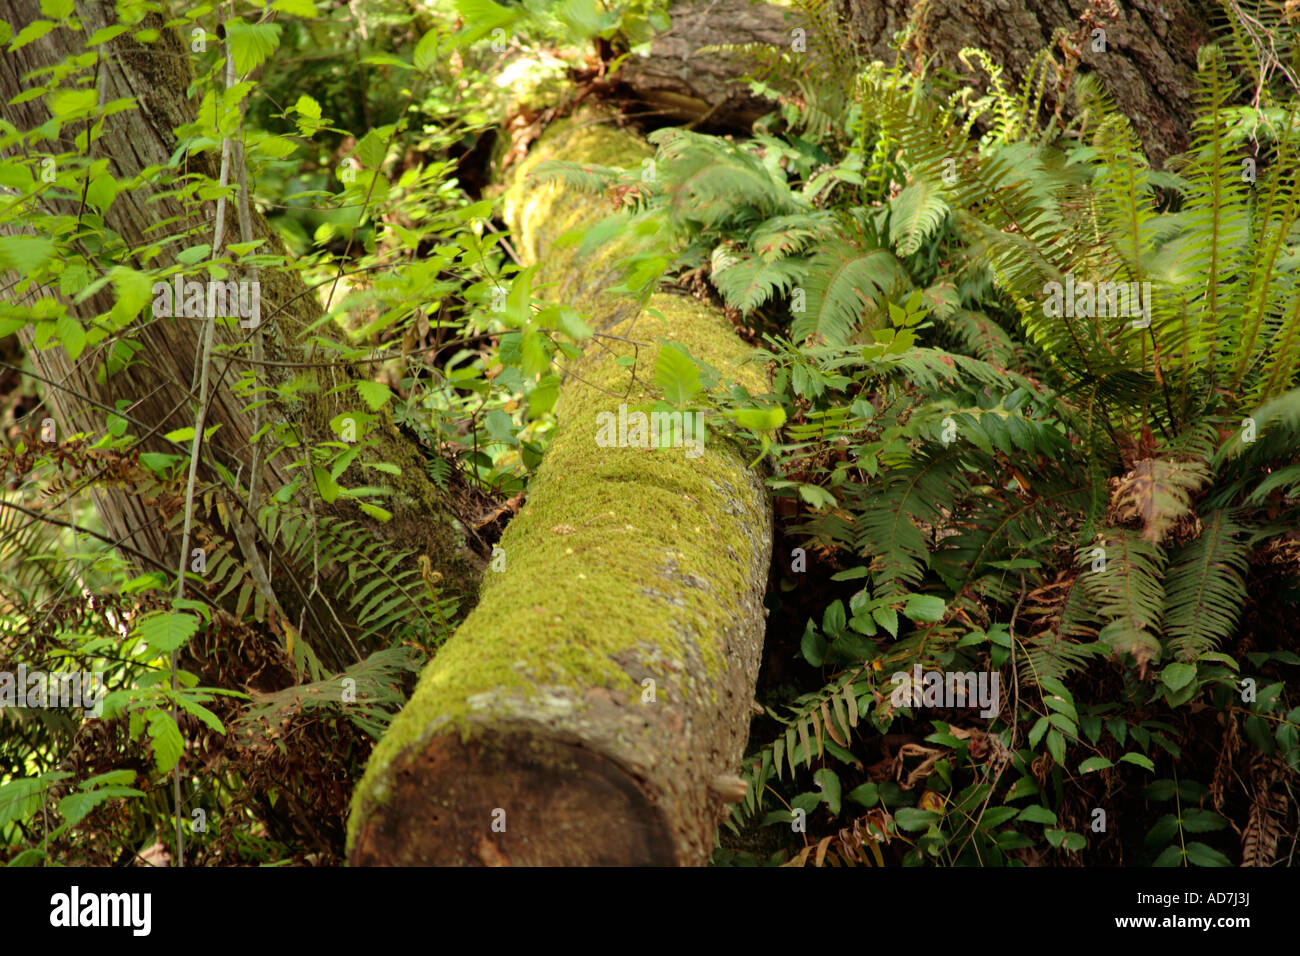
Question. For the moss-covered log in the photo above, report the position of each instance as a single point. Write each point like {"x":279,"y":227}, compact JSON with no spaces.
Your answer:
{"x":591,"y":708}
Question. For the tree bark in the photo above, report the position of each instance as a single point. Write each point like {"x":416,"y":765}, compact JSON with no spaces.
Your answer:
{"x":1148,"y":65}
{"x":591,"y":707}
{"x":159,"y":385}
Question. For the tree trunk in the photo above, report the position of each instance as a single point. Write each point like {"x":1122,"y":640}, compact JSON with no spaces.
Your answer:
{"x":159,"y":385}
{"x":591,"y":708}
{"x":1148,"y":64}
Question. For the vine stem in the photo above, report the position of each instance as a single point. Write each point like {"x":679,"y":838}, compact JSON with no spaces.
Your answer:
{"x":200,"y":416}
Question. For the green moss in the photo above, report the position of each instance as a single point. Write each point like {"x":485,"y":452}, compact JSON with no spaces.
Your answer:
{"x":624,"y":561}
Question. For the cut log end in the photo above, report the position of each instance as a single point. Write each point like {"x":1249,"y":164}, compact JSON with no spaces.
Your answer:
{"x":511,"y":799}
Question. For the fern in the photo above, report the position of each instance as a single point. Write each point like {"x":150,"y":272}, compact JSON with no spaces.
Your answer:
{"x":1129,"y":594}
{"x":1205,"y":588}
{"x":844,"y":279}
{"x":915,"y":214}
{"x":747,"y":285}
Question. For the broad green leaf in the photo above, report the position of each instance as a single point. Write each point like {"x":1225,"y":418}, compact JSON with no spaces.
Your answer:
{"x":426,"y":51}
{"x":168,"y":744}
{"x":760,"y":419}
{"x":1201,"y":855}
{"x":375,"y":394}
{"x":309,"y":115}
{"x":71,"y":335}
{"x":924,"y":607}
{"x":251,"y":43}
{"x":326,"y":486}
{"x":25,"y":254}
{"x":1036,"y":813}
{"x":909,"y":818}
{"x":166,"y":631}
{"x":1138,"y":760}
{"x":1178,"y":676}
{"x":71,"y":103}
{"x":676,"y":374}
{"x":829,"y":783}
{"x":31,"y":33}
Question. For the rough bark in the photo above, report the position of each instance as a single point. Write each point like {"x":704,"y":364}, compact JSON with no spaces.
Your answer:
{"x":158,"y":385}
{"x":1148,"y":65}
{"x":628,"y":569}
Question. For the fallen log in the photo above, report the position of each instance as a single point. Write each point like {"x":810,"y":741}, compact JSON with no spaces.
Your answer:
{"x":594,"y":706}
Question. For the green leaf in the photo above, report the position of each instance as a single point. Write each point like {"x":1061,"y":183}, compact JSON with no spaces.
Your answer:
{"x":426,"y":52}
{"x":571,"y":324}
{"x":251,"y":43}
{"x":1172,"y":856}
{"x":841,"y":279}
{"x":911,"y":819}
{"x":166,"y":631}
{"x":296,"y":8}
{"x":1138,"y":760}
{"x":747,"y":285}
{"x":210,"y":720}
{"x":75,"y":806}
{"x":31,"y":33}
{"x":375,"y":394}
{"x":924,"y":607}
{"x":866,"y":795}
{"x":309,"y":115}
{"x":813,"y":646}
{"x":1196,"y":820}
{"x":25,"y":254}
{"x":830,"y":787}
{"x":1036,"y":813}
{"x":535,"y":355}
{"x":194,"y":254}
{"x":676,"y":374}
{"x":1201,"y":855}
{"x":760,"y":419}
{"x":1178,"y":676}
{"x":1094,"y":763}
{"x":65,"y":104}
{"x":134,"y":290}
{"x":71,"y":335}
{"x":817,"y":496}
{"x":376,"y":512}
{"x":887,"y":618}
{"x":326,"y":486}
{"x":57,"y":9}
{"x":915,"y":214}
{"x":21,"y":798}
{"x":833,"y":619}
{"x":168,"y":745}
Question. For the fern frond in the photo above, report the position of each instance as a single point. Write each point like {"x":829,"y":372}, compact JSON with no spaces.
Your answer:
{"x":1128,"y":593}
{"x":915,"y":214}
{"x":843,"y":278}
{"x":1157,"y":492}
{"x":1205,"y":589}
{"x":747,"y":285}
